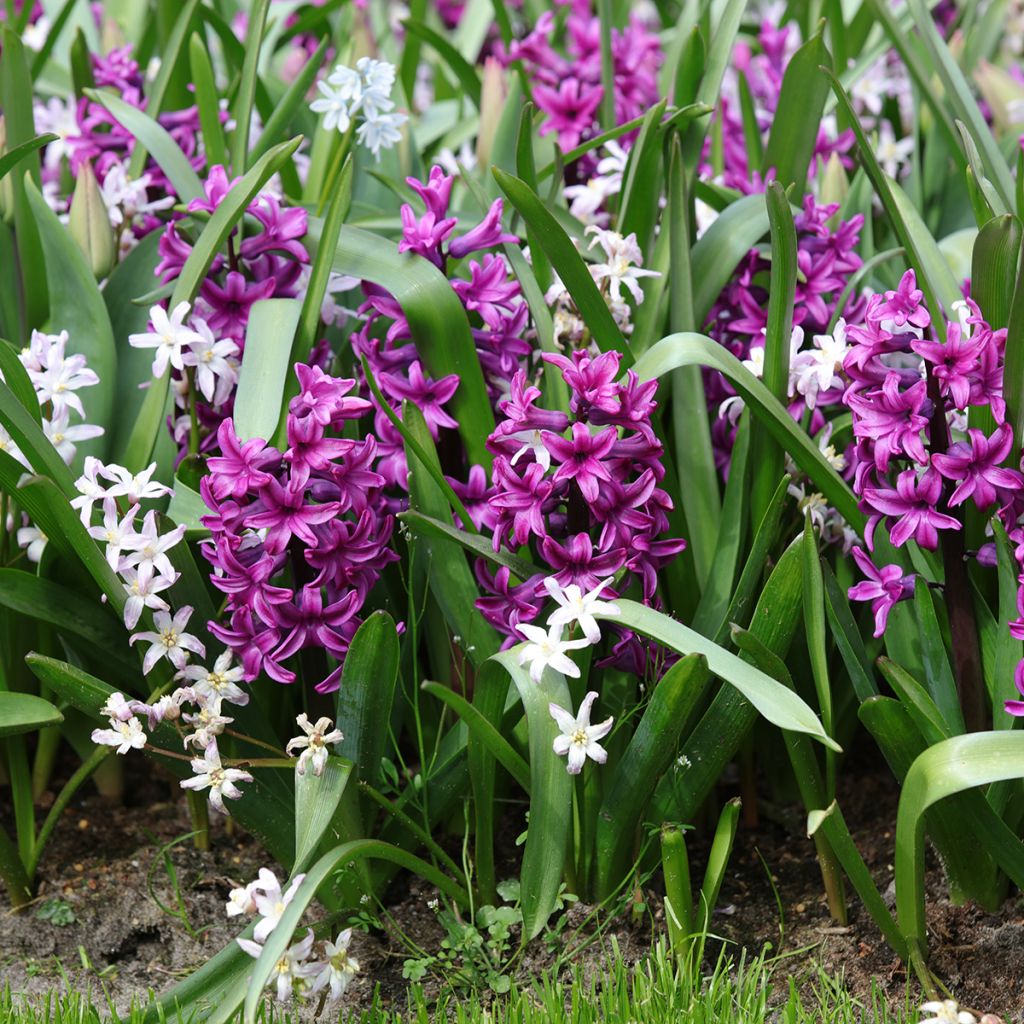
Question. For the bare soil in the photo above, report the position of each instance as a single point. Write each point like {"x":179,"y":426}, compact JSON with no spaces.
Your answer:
{"x":106,"y":864}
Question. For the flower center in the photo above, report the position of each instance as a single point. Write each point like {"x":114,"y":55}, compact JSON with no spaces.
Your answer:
{"x":579,"y":738}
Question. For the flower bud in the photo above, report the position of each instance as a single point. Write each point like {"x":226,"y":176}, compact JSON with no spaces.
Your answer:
{"x":835,"y":186}
{"x":492,"y":105}
{"x":1003,"y":94}
{"x":89,"y":223}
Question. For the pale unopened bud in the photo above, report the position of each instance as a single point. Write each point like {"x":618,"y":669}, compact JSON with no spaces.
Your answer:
{"x":492,"y":105}
{"x":1003,"y":94}
{"x":111,"y":36}
{"x":89,"y":223}
{"x":835,"y":185}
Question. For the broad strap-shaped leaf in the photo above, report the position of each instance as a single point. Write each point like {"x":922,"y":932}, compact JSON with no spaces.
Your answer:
{"x":25,"y":712}
{"x":329,"y":864}
{"x":451,"y":579}
{"x":76,"y":306}
{"x":943,"y":770}
{"x":14,"y":156}
{"x":774,"y":701}
{"x":474,"y":543}
{"x":157,"y":140}
{"x":366,"y":695}
{"x":698,"y":350}
{"x":436,"y":318}
{"x":316,"y":802}
{"x":568,"y":263}
{"x":736,"y":230}
{"x":265,"y":368}
{"x":794,"y":131}
{"x":547,"y":838}
{"x":651,"y":751}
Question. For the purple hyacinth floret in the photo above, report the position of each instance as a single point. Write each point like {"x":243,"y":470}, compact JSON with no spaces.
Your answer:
{"x":582,"y":489}
{"x":299,"y":538}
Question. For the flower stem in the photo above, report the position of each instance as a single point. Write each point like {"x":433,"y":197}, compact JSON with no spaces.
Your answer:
{"x":962,"y":626}
{"x":193,"y":412}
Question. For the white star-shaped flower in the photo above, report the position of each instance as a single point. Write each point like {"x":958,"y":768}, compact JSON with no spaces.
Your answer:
{"x":547,"y":648}
{"x":579,"y":738}
{"x":575,"y":606}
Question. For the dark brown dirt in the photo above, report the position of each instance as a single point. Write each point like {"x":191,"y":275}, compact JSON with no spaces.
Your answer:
{"x":124,"y":943}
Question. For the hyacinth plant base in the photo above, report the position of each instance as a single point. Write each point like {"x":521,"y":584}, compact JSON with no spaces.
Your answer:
{"x":473,"y":474}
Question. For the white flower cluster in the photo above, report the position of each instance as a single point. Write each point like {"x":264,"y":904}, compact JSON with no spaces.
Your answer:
{"x":128,"y":204}
{"x":298,"y":972}
{"x":547,"y":648}
{"x":55,"y":376}
{"x":587,"y":202}
{"x":620,"y":268}
{"x":207,"y":691}
{"x":364,"y":90}
{"x":192,"y":346}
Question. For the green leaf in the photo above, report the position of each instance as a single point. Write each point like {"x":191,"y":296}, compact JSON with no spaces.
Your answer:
{"x":641,"y":186}
{"x":994,"y":268}
{"x":918,"y":702}
{"x":158,"y":142}
{"x":767,"y":457}
{"x":814,"y":624}
{"x":14,"y":156}
{"x":25,"y":712}
{"x":775,"y":702}
{"x":143,"y":437}
{"x":366,"y":695}
{"x":451,"y":580}
{"x":736,"y":230}
{"x":935,"y":278}
{"x":68,"y":612}
{"x":16,"y":103}
{"x":547,"y":840}
{"x":437,"y":321}
{"x":847,"y":637}
{"x":794,"y":131}
{"x":246,"y":94}
{"x":696,"y":349}
{"x":76,"y":306}
{"x":132,"y":277}
{"x":16,"y":378}
{"x":157,"y":94}
{"x":650,"y":753}
{"x":265,"y":368}
{"x":207,"y":102}
{"x":24,"y":428}
{"x":695,"y":457}
{"x":481,"y":729}
{"x":943,"y":770}
{"x":468,"y":79}
{"x":316,"y":801}
{"x":960,"y":97}
{"x":425,"y":526}
{"x":712,"y":610}
{"x":718,"y":862}
{"x":568,"y":263}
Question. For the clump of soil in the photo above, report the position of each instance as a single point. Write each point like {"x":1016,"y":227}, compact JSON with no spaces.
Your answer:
{"x":103,"y":862}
